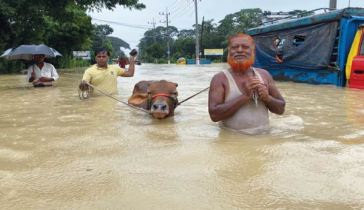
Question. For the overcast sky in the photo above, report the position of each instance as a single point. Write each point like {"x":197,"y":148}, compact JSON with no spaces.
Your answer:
{"x":130,"y":25}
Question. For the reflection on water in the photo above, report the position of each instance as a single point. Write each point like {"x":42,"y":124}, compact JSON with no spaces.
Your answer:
{"x":60,"y":152}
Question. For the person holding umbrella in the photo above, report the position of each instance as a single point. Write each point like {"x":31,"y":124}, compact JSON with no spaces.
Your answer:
{"x":41,"y":74}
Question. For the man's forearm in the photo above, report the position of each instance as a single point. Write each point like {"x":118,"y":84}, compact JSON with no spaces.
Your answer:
{"x":131,"y":66}
{"x":276,"y":105}
{"x":225,"y":110}
{"x":46,"y":79}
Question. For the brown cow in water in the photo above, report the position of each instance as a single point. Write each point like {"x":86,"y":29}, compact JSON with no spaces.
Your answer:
{"x":160,"y":97}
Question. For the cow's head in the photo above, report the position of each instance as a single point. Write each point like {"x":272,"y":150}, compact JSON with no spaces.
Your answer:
{"x":162,"y":98}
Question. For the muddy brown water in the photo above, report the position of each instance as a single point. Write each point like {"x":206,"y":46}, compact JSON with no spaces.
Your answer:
{"x":58,"y":152}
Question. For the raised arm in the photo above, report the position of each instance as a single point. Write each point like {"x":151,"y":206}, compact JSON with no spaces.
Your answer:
{"x":130,"y":72}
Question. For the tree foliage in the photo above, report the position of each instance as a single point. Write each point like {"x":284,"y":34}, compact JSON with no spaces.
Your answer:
{"x":99,"y":35}
{"x":212,"y":35}
{"x":65,"y":26}
{"x":183,"y":43}
{"x":100,"y":38}
{"x":303,"y":13}
{"x":117,"y":43}
{"x":183,"y":34}
{"x":62,"y":24}
{"x":109,"y":4}
{"x":155,"y":50}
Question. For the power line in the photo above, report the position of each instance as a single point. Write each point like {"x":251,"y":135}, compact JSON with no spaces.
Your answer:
{"x":192,"y":13}
{"x":170,"y":6}
{"x":176,"y":7}
{"x":158,"y":18}
{"x":135,"y":26}
{"x":182,"y":12}
{"x":124,"y":24}
{"x":181,"y":7}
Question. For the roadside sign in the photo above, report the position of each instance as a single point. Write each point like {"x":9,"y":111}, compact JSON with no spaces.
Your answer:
{"x":82,"y":54}
{"x":168,"y":52}
{"x":214,"y":51}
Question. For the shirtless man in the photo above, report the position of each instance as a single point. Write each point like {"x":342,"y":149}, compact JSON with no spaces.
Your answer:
{"x":240,"y":97}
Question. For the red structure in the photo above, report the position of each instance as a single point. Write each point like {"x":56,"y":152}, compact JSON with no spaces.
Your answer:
{"x":357,"y":68}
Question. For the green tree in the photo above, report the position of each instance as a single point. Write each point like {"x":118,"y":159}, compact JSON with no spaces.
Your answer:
{"x":302,"y":13}
{"x":116,"y":44}
{"x":160,"y":33}
{"x":71,"y":33}
{"x":109,"y":4}
{"x":186,"y":33}
{"x":186,"y":46}
{"x":142,"y":48}
{"x":246,"y":19}
{"x":210,"y":37}
{"x":99,"y":39}
{"x":155,"y":51}
{"x":61,"y":24}
{"x":226,"y":25}
{"x":209,"y":26}
{"x":100,"y":33}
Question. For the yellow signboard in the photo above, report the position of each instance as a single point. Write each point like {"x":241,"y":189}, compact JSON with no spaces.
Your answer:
{"x":214,"y":51}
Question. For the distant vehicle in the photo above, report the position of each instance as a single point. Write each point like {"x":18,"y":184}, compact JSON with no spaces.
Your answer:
{"x":181,"y":61}
{"x":137,"y":62}
{"x":312,"y":49}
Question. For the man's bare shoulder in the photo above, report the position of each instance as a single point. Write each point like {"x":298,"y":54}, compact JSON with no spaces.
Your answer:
{"x":264,"y":73}
{"x":219,"y":76}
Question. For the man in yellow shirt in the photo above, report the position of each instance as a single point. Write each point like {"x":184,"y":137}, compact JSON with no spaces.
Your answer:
{"x":104,"y":76}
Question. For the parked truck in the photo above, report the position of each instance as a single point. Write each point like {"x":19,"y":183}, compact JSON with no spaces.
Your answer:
{"x":315,"y":49}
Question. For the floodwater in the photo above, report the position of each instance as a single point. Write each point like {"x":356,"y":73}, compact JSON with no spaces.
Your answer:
{"x":60,"y":152}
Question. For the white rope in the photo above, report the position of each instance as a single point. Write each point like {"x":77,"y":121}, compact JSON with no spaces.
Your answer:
{"x":88,"y":95}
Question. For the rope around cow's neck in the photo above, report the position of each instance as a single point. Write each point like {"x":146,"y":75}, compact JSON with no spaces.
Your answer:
{"x":82,"y":96}
{"x":88,"y":95}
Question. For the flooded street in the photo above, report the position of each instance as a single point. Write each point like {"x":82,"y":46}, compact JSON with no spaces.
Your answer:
{"x":60,"y":152}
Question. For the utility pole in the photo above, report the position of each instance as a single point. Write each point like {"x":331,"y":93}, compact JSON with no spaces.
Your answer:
{"x":145,"y":47}
{"x":153,"y":29}
{"x":197,"y":44}
{"x":333,"y":4}
{"x":168,"y":52}
{"x":202,"y":33}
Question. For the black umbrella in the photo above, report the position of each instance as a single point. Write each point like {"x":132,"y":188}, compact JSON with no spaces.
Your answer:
{"x":26,"y":52}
